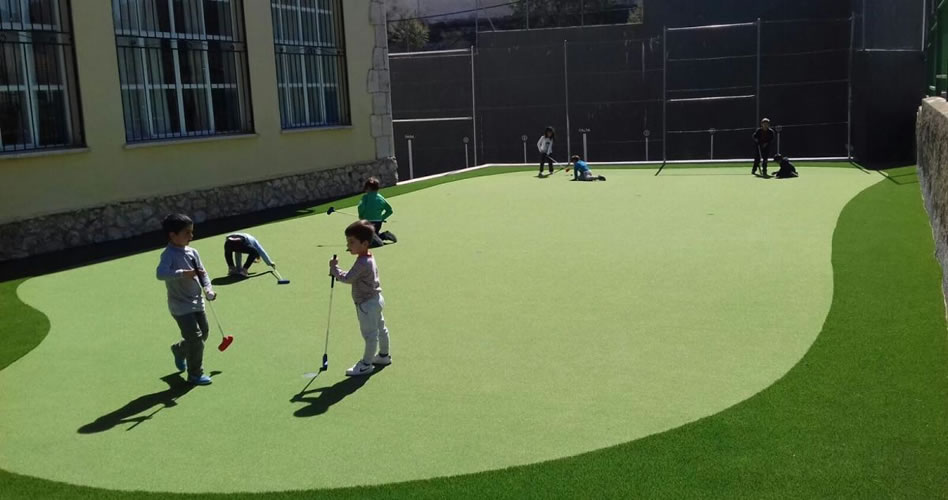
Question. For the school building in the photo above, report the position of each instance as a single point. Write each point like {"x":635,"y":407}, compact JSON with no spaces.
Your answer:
{"x":115,"y":112}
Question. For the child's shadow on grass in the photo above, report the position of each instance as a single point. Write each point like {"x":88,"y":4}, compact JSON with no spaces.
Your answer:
{"x":177,"y":387}
{"x":330,"y":395}
{"x":236,"y":278}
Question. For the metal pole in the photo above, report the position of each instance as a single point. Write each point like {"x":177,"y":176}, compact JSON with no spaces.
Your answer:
{"x":712,"y":145}
{"x":411,"y":161}
{"x":467,"y":160}
{"x":643,"y":60}
{"x":757,"y":114}
{"x":473,"y":106}
{"x":924,"y":23}
{"x":863,"y":24}
{"x":523,"y":138}
{"x":665,"y":93}
{"x":528,"y":17}
{"x":849,"y":87}
{"x":569,"y":149}
{"x":646,"y":133}
{"x":477,"y":21}
{"x":582,"y":12}
{"x":585,"y":151}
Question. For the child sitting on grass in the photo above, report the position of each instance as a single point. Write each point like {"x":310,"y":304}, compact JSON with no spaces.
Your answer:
{"x":581,"y":170}
{"x":367,"y":295}
{"x":181,"y":269}
{"x":374,"y":208}
{"x":787,"y":170}
{"x":243,"y":243}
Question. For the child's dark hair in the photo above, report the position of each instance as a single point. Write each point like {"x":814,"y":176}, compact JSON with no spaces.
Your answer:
{"x":372,"y":184}
{"x":551,"y":131}
{"x":175,"y":223}
{"x":779,"y":158}
{"x":574,"y":158}
{"x":361,"y":230}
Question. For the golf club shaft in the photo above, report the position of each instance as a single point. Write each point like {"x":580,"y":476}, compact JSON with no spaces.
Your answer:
{"x":197,"y":277}
{"x":216,"y":319}
{"x":332,"y":287}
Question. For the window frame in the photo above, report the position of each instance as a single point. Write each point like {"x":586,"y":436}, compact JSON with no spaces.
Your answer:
{"x":311,"y":71}
{"x":26,"y":39}
{"x":142,"y":58}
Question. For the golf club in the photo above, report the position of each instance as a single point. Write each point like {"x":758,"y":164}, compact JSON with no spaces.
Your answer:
{"x":332,"y":210}
{"x":226,"y":340}
{"x":280,"y":280}
{"x":325,"y":366}
{"x":561,"y":166}
{"x":760,"y":155}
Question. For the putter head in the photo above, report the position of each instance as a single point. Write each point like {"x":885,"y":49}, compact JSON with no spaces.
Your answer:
{"x":283,"y":282}
{"x":325,"y":363}
{"x":330,"y":211}
{"x":225,"y":343}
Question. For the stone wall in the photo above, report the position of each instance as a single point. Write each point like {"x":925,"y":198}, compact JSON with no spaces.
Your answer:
{"x":931,"y":134}
{"x":124,"y":220}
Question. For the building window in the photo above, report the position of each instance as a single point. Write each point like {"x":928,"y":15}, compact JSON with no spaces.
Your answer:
{"x":311,"y":63}
{"x":183,"y":68}
{"x":39,"y":99}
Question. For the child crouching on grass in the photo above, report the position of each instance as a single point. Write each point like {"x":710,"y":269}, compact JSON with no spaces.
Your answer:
{"x":367,"y":295}
{"x":581,"y":170}
{"x":374,"y":208}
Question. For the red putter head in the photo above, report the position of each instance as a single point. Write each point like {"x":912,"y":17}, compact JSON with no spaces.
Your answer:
{"x":225,"y":343}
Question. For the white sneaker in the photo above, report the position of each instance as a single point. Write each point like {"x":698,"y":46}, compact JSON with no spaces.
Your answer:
{"x":382,"y":360}
{"x":242,"y":272}
{"x":360,"y":368}
{"x":231,"y":271}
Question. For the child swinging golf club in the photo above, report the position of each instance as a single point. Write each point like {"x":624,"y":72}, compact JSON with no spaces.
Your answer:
{"x":181,"y":269}
{"x":367,"y":295}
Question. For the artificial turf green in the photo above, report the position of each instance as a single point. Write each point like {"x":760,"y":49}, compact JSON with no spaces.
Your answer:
{"x":861,"y":415}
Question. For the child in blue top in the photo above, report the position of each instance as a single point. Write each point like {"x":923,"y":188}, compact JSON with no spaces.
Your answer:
{"x":243,"y":243}
{"x":581,"y":170}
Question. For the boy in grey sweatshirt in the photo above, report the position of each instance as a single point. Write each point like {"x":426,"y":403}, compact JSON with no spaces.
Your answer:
{"x":181,"y":269}
{"x":367,"y":295}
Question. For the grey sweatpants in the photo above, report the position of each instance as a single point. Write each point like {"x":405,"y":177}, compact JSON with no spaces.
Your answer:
{"x":191,"y":346}
{"x":372,"y":325}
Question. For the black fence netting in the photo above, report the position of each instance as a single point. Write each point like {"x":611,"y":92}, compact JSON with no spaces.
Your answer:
{"x":686,"y":94}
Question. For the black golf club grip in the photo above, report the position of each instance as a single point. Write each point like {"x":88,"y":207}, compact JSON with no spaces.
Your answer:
{"x":332,"y":282}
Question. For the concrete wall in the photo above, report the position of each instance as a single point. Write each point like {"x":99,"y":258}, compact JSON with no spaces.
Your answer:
{"x":110,"y":171}
{"x":932,"y":136}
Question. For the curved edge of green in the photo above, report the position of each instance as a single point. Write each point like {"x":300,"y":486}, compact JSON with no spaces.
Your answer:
{"x":860,"y":415}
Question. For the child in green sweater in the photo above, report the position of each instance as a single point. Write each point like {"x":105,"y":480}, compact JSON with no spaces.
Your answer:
{"x":376,"y":210}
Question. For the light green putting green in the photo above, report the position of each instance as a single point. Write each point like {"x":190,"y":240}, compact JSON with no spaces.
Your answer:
{"x":531,"y":319}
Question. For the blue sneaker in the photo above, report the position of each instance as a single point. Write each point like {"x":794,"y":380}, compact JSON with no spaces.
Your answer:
{"x":202,"y":380}
{"x":180,"y":363}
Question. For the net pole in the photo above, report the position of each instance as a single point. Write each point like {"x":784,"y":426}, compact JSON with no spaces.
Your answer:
{"x":757,"y":114}
{"x":864,"y":24}
{"x":665,"y":93}
{"x":569,"y":149}
{"x":477,"y":21}
{"x":849,"y":88}
{"x":473,"y":106}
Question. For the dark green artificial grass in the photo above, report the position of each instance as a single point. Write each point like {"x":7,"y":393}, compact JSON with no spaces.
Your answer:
{"x":862,"y":415}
